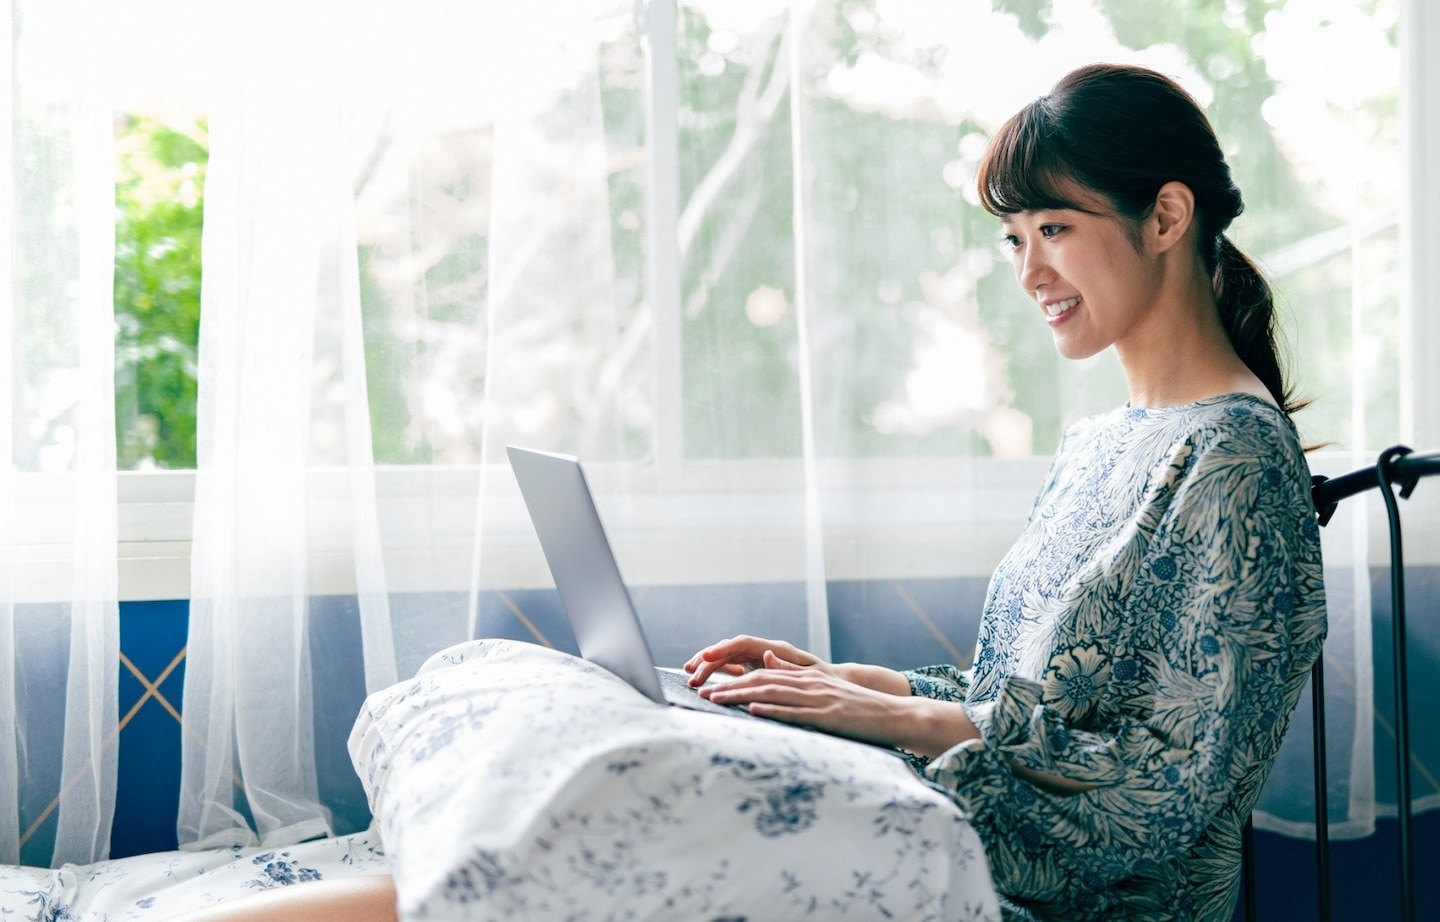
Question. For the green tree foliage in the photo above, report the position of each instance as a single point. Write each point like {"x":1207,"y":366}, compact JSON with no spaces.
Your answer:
{"x":159,"y":204}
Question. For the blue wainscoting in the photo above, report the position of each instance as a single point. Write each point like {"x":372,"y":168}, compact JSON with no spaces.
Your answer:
{"x":152,"y":683}
{"x":897,"y":623}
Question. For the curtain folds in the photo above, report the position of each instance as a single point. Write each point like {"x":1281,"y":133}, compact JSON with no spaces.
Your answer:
{"x":59,"y":621}
{"x":248,"y":675}
{"x":279,"y":310}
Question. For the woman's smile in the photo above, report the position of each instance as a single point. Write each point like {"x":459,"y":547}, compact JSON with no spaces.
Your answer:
{"x":1057,"y":312}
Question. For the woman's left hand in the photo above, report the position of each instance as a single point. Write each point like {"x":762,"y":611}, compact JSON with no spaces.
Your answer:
{"x":814,"y":697}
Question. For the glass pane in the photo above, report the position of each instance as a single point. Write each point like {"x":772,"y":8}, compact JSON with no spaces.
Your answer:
{"x":159,"y":208}
{"x":568,"y":367}
{"x":737,"y":245}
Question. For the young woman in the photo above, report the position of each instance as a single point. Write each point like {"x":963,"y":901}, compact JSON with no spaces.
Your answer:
{"x":1143,"y":644}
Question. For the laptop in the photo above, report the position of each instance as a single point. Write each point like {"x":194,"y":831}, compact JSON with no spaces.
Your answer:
{"x":601,"y":613}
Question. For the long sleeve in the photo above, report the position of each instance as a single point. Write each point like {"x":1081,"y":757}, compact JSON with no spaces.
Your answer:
{"x":943,"y":682}
{"x":1148,"y":638}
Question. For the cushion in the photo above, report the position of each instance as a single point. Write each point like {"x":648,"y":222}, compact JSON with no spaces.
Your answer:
{"x":512,"y":781}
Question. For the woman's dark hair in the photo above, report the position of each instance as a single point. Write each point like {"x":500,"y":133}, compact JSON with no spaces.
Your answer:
{"x":1124,"y":132}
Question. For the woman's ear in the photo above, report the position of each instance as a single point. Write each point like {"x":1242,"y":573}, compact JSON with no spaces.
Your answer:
{"x":1172,"y":216}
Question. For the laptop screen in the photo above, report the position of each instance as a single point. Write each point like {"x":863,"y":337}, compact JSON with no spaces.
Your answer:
{"x":602,"y":615}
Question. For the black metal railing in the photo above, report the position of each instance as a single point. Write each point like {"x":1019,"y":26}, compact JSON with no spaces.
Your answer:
{"x":1396,"y":466}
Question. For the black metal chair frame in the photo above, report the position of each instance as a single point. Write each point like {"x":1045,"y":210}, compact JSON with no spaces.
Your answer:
{"x":1396,"y":466}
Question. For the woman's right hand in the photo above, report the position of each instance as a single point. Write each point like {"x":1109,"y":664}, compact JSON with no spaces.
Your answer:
{"x":744,"y":653}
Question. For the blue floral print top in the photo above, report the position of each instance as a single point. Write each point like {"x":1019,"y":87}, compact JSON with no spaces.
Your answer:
{"x":1147,"y":637}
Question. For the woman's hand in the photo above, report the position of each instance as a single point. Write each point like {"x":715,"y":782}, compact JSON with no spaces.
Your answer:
{"x":814,"y":695}
{"x":740,"y":655}
{"x":743,"y":654}
{"x":806,"y":693}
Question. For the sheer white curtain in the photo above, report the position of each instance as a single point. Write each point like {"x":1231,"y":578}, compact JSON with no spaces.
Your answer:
{"x":59,"y":627}
{"x":464,"y":158}
{"x":725,"y":252}
{"x":280,"y":320}
{"x":289,"y":505}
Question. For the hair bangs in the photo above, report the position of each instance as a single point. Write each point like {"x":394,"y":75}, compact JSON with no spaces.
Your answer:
{"x":1024,"y":168}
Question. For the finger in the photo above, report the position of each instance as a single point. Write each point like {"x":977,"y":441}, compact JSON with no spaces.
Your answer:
{"x":713,"y":656}
{"x":772,"y":660}
{"x":702,"y":674}
{"x":699,"y":672}
{"x":722,"y":646}
{"x":743,"y":647}
{"x":732,"y":684}
{"x":773,"y":686}
{"x":722,"y":652}
{"x":704,"y":671}
{"x":696,"y":662}
{"x":735,"y":656}
{"x":736,"y":680}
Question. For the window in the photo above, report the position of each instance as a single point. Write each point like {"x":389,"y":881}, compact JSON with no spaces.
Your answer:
{"x":897,"y":100}
{"x":768,"y":263}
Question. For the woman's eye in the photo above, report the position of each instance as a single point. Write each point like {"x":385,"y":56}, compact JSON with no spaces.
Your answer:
{"x":1009,"y":244}
{"x":1050,"y":230}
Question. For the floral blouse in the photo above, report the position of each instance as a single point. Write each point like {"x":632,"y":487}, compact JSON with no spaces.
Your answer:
{"x":1147,"y":637}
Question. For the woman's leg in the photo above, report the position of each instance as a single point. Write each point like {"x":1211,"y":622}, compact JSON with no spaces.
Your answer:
{"x":368,"y":898}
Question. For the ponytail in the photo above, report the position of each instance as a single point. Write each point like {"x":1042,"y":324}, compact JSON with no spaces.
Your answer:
{"x":1247,"y":311}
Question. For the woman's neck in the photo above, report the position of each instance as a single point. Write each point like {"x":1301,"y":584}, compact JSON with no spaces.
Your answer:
{"x":1183,"y":354}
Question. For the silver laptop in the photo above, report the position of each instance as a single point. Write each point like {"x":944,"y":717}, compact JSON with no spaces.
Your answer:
{"x":602,"y":615}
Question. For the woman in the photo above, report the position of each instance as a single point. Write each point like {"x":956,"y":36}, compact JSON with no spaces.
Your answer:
{"x":1144,"y":643}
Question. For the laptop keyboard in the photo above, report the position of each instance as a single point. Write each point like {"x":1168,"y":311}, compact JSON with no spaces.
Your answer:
{"x":676,"y":688}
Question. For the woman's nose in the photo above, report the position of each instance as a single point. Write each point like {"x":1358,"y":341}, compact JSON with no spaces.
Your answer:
{"x":1031,"y":269}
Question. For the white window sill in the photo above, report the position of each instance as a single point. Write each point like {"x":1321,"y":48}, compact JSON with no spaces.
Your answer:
{"x":705,"y":532}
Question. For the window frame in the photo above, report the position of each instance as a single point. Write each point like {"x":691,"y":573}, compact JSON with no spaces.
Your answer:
{"x":1419,"y":40}
{"x":874,"y":526}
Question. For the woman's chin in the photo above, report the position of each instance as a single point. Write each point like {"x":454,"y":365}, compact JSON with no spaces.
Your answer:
{"x":1071,"y":348}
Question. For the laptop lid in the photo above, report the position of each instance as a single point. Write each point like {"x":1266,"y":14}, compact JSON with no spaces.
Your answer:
{"x":602,"y":615}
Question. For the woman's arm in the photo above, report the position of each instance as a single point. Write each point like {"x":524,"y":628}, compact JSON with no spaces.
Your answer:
{"x":1211,"y":618}
{"x":876,"y":677}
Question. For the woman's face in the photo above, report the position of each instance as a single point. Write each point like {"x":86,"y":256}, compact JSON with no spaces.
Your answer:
{"x":1093,"y":286}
